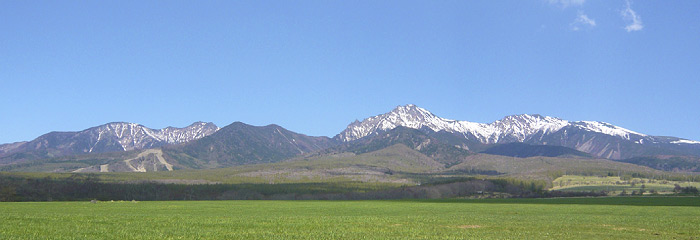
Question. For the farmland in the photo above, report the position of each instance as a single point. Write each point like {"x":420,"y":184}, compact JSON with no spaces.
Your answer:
{"x":615,"y":185}
{"x":572,"y":218}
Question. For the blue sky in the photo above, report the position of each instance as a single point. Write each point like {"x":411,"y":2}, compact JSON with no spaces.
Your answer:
{"x":315,"y":66}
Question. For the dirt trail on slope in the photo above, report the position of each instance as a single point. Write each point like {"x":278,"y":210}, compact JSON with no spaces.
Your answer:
{"x":159,"y":155}
{"x":142,"y":161}
{"x":141,"y":166}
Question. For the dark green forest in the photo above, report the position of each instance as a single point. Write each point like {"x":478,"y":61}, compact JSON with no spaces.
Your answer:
{"x":79,"y":187}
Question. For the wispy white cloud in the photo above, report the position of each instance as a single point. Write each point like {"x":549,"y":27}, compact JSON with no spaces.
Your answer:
{"x":566,"y":3}
{"x":630,"y":16}
{"x":582,"y":20}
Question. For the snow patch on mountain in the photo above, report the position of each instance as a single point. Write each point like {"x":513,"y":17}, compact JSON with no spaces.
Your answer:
{"x":685,"y":141}
{"x":606,"y":128}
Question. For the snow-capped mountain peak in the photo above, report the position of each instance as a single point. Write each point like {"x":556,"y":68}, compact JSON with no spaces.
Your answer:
{"x":132,"y":136}
{"x":516,"y":127}
{"x":597,"y":138}
{"x":410,"y":116}
{"x":521,"y":127}
{"x":513,"y":128}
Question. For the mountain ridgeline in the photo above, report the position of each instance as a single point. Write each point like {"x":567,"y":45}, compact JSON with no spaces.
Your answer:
{"x":240,"y":144}
{"x":599,"y":139}
{"x":125,"y":146}
{"x":111,"y":137}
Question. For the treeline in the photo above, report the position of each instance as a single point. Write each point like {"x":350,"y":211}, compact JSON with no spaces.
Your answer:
{"x":690,"y":190}
{"x":80,"y":187}
{"x":674,"y":164}
{"x":87,"y":186}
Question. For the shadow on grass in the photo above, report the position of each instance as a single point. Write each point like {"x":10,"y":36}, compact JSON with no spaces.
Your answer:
{"x":629,"y":201}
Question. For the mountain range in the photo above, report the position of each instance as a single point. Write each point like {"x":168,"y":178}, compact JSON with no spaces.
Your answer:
{"x":110,"y":137}
{"x":599,"y":139}
{"x":120,"y":146}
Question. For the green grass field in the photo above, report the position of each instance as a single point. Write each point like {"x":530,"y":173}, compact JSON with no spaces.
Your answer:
{"x":574,"y":218}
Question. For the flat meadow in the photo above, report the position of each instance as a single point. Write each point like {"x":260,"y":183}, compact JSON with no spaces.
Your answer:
{"x":573,"y":218}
